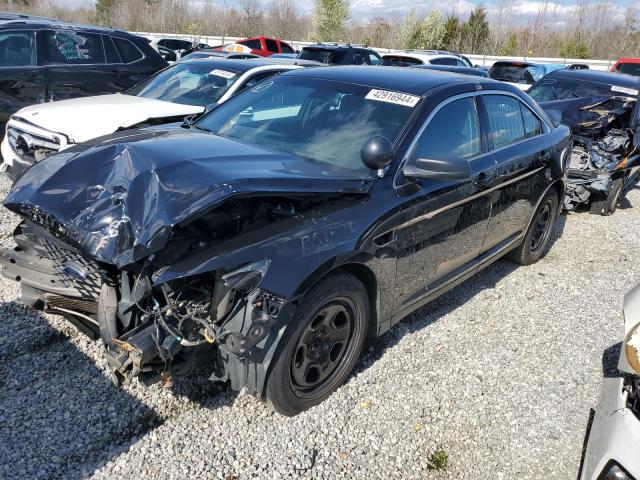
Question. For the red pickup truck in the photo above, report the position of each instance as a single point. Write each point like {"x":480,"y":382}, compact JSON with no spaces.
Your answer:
{"x":263,"y":46}
{"x":630,"y":66}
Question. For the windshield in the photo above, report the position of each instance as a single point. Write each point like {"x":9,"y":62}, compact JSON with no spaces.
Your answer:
{"x":516,"y":73}
{"x":550,"y":89}
{"x":198,"y":84}
{"x":323,"y":56}
{"x":320,"y":120}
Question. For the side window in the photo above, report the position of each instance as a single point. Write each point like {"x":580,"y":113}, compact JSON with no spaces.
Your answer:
{"x":374,"y":59}
{"x":272,"y":45}
{"x":17,"y":49}
{"x":505,"y":119}
{"x":444,"y":61}
{"x":286,"y":48}
{"x":358,"y":58}
{"x":127,"y":50}
{"x":453,"y":132}
{"x":69,"y":48}
{"x":110,"y":50}
{"x":258,"y":77}
{"x":460,"y":63}
{"x":252,"y":44}
{"x":532,"y":125}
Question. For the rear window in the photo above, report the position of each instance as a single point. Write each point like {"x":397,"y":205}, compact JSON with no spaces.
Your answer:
{"x":323,"y":56}
{"x":70,"y":47}
{"x":629,"y":68}
{"x":515,"y":73}
{"x":128,"y":51}
{"x":399,"y":61}
{"x":551,"y":89}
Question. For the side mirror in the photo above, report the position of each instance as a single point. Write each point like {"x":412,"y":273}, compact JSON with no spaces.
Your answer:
{"x":377,"y":152}
{"x":451,"y":169}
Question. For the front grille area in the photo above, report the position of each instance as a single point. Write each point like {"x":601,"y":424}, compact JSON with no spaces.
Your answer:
{"x":31,"y":147}
{"x":74,"y":270}
{"x":88,"y":307}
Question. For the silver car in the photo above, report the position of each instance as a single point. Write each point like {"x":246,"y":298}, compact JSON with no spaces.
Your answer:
{"x":613,"y":448}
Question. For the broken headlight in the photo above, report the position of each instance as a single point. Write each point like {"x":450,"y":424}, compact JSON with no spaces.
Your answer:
{"x":631,"y":346}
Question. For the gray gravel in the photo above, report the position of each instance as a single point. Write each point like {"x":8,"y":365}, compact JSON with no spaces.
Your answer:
{"x":499,"y":373}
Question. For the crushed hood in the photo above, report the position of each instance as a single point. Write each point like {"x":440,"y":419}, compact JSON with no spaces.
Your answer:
{"x":81,"y":119}
{"x":591,"y":116}
{"x":118,"y":199}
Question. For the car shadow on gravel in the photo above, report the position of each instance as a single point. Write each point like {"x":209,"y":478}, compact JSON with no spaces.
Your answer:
{"x":60,"y":417}
{"x":441,"y":306}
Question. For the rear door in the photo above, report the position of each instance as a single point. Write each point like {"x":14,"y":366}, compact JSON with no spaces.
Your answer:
{"x":132,"y":67}
{"x":76,"y":64}
{"x":22,"y":81}
{"x":448,"y":219}
{"x":522,"y":152}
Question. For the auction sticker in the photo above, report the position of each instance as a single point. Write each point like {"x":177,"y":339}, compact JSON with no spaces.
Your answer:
{"x":398,"y":98}
{"x":222,"y":73}
{"x":628,"y":91}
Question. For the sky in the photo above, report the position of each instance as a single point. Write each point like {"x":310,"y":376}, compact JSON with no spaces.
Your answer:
{"x":523,"y":10}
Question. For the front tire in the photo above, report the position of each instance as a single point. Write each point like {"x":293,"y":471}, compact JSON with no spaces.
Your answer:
{"x":323,"y":345}
{"x":536,"y":242}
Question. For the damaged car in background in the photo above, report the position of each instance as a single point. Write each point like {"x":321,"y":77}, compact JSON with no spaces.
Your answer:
{"x":188,"y":88}
{"x":602,"y":111}
{"x":274,"y":234}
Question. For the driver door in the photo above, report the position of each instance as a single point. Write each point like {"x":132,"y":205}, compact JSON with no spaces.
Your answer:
{"x":445,"y":221}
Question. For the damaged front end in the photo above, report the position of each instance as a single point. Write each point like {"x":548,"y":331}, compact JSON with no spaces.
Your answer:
{"x":604,"y":160}
{"x":166,"y":260}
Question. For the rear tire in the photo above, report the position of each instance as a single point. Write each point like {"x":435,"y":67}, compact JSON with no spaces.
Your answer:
{"x":536,"y":241}
{"x":322,"y":345}
{"x":609,"y":205}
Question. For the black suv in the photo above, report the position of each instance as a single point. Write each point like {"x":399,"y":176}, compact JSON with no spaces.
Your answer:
{"x":43,"y":60}
{"x":274,"y":234}
{"x":340,"y":54}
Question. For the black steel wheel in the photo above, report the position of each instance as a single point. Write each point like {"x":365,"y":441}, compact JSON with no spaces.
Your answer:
{"x":321,"y":346}
{"x":536,"y":242}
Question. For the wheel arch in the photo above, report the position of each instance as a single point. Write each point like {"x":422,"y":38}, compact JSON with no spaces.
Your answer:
{"x":359,"y":270}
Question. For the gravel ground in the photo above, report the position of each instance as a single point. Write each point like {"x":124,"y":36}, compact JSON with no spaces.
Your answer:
{"x":500,"y":374}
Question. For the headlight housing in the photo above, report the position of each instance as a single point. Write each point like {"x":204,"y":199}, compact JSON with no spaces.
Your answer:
{"x":631,"y":347}
{"x":613,"y":471}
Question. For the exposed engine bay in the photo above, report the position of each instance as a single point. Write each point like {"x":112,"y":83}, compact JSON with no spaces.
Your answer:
{"x":604,"y":158}
{"x":161,"y":331}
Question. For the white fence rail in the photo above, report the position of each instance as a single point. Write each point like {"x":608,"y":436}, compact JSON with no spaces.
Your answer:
{"x":483,"y":60}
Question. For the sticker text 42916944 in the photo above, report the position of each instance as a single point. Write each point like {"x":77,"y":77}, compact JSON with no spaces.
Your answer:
{"x":398,"y":98}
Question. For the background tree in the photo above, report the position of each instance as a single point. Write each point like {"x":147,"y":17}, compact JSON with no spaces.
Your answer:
{"x":510,"y":47}
{"x":451,"y":38}
{"x":430,"y":34}
{"x":475,"y":31}
{"x":330,"y":18}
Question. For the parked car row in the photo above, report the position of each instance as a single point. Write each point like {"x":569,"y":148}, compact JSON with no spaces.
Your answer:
{"x":267,"y":216}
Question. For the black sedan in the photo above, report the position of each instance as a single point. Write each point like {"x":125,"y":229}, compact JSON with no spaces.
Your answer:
{"x":276,"y":233}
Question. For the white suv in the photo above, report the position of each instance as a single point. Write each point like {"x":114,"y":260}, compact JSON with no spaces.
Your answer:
{"x":183,"y":89}
{"x":408,"y":58}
